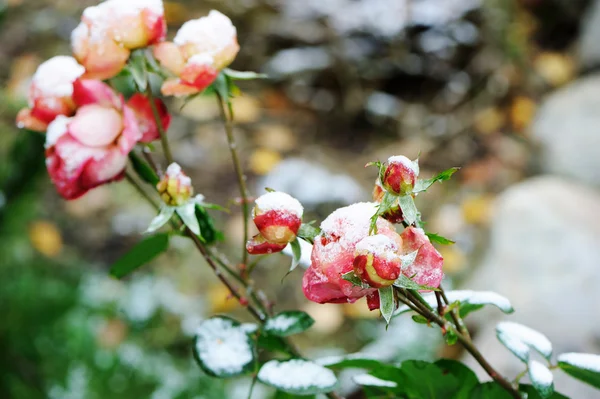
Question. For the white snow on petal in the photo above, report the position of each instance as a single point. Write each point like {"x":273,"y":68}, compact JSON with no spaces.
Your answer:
{"x":540,"y":374}
{"x":351,"y":223}
{"x":306,"y":250}
{"x":278,"y":201}
{"x":124,"y":8}
{"x":56,"y":130}
{"x":212,"y":33}
{"x":222,"y":347}
{"x":371,"y":381}
{"x":586,"y":361}
{"x":174,"y":171}
{"x":528,"y":336}
{"x":379,"y":245}
{"x":201,"y":59}
{"x":296,"y":375}
{"x":401,"y":159}
{"x":280,"y":323}
{"x":55,"y":77}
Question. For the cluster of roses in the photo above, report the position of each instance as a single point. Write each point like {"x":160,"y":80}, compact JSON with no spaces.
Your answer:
{"x":344,"y":243}
{"x":91,"y":128}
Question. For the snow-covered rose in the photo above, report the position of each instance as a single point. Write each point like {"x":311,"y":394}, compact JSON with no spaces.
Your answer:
{"x":427,"y":267}
{"x":394,"y":214}
{"x":377,"y":261}
{"x":91,"y":148}
{"x":334,"y":250}
{"x":175,"y":188}
{"x":278,"y":216}
{"x":103,"y":41}
{"x":201,"y":48}
{"x":400,"y":175}
{"x":50,"y":93}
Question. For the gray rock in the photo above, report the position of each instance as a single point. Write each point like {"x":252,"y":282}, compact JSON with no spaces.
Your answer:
{"x":544,"y":256}
{"x":567,"y":127}
{"x":589,"y":46}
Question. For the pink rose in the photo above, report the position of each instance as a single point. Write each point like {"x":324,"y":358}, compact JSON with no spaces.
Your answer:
{"x":427,"y":267}
{"x":91,"y":148}
{"x":334,"y":252}
{"x":103,"y":41}
{"x":199,"y":51}
{"x":50,"y":93}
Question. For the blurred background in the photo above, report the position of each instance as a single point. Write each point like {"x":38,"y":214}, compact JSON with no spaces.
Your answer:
{"x":506,"y":89}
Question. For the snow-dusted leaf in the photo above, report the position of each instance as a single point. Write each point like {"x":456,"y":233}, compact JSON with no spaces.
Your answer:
{"x":409,"y":258}
{"x":165,"y":214}
{"x":409,"y":209}
{"x":137,"y":67}
{"x":223,"y":348}
{"x":288,"y":323}
{"x":243,"y":75}
{"x":469,"y":301}
{"x":541,"y":378}
{"x":296,"y":254}
{"x":249,"y":328}
{"x":305,"y":250}
{"x":387,"y":303}
{"x":511,"y":332}
{"x":515,"y":345}
{"x":423,"y":185}
{"x":353,"y":278}
{"x":353,"y":360}
{"x":405,"y":282}
{"x":371,"y":381}
{"x":433,"y":237}
{"x":583,"y":366}
{"x":297,"y":376}
{"x":187,"y":213}
{"x":308,"y":232}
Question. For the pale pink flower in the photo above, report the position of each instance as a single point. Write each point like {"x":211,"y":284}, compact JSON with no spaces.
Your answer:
{"x":103,"y":41}
{"x":199,"y":51}
{"x":427,"y":266}
{"x":50,"y":93}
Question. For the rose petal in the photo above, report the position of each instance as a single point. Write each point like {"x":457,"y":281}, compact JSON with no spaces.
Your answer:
{"x":170,"y":57}
{"x":175,"y":87}
{"x":427,"y":267}
{"x":88,"y":91}
{"x":25,"y":120}
{"x":96,"y":126}
{"x":145,"y":117}
{"x":105,"y":167}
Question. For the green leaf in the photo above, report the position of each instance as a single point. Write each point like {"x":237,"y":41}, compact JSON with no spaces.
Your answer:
{"x":296,"y":254}
{"x":532,"y":393}
{"x":353,"y":278}
{"x":143,"y":170}
{"x":222,"y":348}
{"x":489,"y":390}
{"x":450,"y":337}
{"x":272,"y":343}
{"x":165,"y":214}
{"x":210,"y":234}
{"x":409,"y":258}
{"x":288,"y":323}
{"x":308,"y":232}
{"x":285,"y":395}
{"x":221,"y":87}
{"x":423,"y":185}
{"x":297,"y":376}
{"x":435,"y":238}
{"x":142,"y":253}
{"x":409,"y":209}
{"x":387,"y":303}
{"x":353,"y":360}
{"x":187,"y":213}
{"x":420,"y":319}
{"x":239,"y":75}
{"x":466,"y":376}
{"x":541,"y":378}
{"x":405,"y":282}
{"x":519,"y":338}
{"x":137,"y":67}
{"x":583,"y":366}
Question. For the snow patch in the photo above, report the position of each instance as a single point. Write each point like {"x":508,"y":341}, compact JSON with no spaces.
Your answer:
{"x":278,"y":201}
{"x":56,"y":129}
{"x":55,"y":77}
{"x":371,"y":381}
{"x":201,"y":59}
{"x":379,"y":245}
{"x":586,"y":361}
{"x":540,"y":374}
{"x":297,"y":376}
{"x":213,"y":32}
{"x":528,"y":336}
{"x":174,"y":171}
{"x":222,"y":347}
{"x":401,"y":159}
{"x":280,"y":323}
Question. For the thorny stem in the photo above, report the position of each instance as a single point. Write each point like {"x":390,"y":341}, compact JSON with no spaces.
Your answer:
{"x":241,"y":178}
{"x":163,"y":135}
{"x":464,"y":339}
{"x":460,"y":324}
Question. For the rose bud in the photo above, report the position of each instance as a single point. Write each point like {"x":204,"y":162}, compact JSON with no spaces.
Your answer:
{"x":373,"y":300}
{"x":50,"y":93}
{"x":427,"y":267}
{"x":333,"y":253}
{"x":175,"y":188}
{"x":91,"y":148}
{"x":259,"y":246}
{"x":278,"y":217}
{"x":400,"y":175}
{"x":377,"y":261}
{"x":394,"y":214}
{"x":199,"y":51}
{"x":103,"y":41}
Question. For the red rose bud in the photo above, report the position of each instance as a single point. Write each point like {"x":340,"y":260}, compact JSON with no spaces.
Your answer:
{"x":278,"y":217}
{"x":394,"y":214}
{"x":400,"y":175}
{"x":175,"y":188}
{"x":259,"y":246}
{"x":377,"y":261}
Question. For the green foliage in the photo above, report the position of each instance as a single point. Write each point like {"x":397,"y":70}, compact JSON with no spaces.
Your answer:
{"x":466,"y":376}
{"x":489,"y":390}
{"x":409,"y":209}
{"x":142,"y":169}
{"x":240,"y":75}
{"x":435,"y":238}
{"x":290,"y":376}
{"x":532,"y":393}
{"x":354,"y":279}
{"x":387,"y":303}
{"x":288,"y":323}
{"x":208,"y":231}
{"x":406,"y":282}
{"x":589,"y":375}
{"x":142,"y":253}
{"x":308,"y":232}
{"x":296,"y":254}
{"x":423,"y":185}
